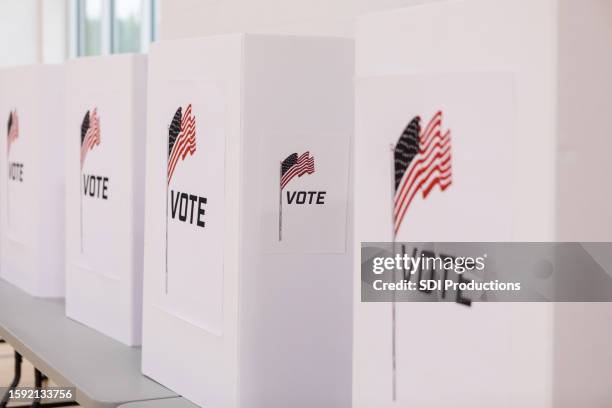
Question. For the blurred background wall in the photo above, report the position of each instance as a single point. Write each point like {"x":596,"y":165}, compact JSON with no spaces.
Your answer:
{"x":33,"y":31}
{"x":188,"y":18}
{"x":49,"y":31}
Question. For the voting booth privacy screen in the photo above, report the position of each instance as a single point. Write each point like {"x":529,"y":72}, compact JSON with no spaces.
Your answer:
{"x":105,"y":138}
{"x":456,"y":140}
{"x":247,"y":266}
{"x":32,"y":183}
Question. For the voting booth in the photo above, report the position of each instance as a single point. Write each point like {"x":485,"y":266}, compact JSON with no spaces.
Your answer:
{"x":248,"y":293}
{"x":496,"y":110}
{"x":105,"y":142}
{"x":32,"y":186}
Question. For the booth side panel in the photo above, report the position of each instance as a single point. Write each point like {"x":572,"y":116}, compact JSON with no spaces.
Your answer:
{"x":469,"y":59}
{"x":20,"y":199}
{"x":295,"y":276}
{"x":583,"y":357}
{"x":139,"y":107}
{"x":190,"y":309}
{"x":50,"y":155}
{"x":100,"y":194}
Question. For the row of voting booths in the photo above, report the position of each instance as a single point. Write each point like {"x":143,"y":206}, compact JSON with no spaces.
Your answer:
{"x":208,"y":202}
{"x":194,"y":208}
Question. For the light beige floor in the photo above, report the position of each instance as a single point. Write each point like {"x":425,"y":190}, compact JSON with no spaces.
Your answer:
{"x":7,"y":364}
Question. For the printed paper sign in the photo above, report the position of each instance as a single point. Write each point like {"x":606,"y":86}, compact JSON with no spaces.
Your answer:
{"x":15,"y":166}
{"x":304,"y":192}
{"x":189,"y":129}
{"x":19,"y":178}
{"x":104,"y":169}
{"x":435,"y":154}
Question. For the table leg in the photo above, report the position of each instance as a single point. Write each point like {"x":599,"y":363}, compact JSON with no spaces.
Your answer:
{"x":16,"y":379}
{"x":38,"y":380}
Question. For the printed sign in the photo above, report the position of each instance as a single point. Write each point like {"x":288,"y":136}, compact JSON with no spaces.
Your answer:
{"x":440,"y":148}
{"x":18,"y":181}
{"x":189,"y":132}
{"x":100,"y":150}
{"x":15,"y":173}
{"x":305,"y":193}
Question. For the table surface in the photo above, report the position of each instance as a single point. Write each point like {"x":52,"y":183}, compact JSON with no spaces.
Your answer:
{"x":104,"y":372}
{"x":165,"y":403}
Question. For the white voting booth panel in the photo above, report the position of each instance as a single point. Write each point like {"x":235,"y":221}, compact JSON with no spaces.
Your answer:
{"x":247,"y":294}
{"x":486,"y":75}
{"x":105,"y":139}
{"x":32,"y":186}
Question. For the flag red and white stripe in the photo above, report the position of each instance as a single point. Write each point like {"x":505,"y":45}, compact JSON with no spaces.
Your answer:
{"x":304,"y":165}
{"x":431,"y":167}
{"x":92,"y":137}
{"x":185,"y":142}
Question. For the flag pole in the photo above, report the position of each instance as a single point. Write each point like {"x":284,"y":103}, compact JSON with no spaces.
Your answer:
{"x":8,"y":187}
{"x":8,"y":180}
{"x":280,"y":204}
{"x":393,"y":305}
{"x":167,"y":187}
{"x":81,"y":193}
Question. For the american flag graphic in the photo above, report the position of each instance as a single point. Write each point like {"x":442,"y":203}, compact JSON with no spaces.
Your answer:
{"x":181,"y":141}
{"x":422,"y":161}
{"x":90,"y":133}
{"x":12,"y":133}
{"x":294,"y":166}
{"x":181,"y":138}
{"x":12,"y":130}
{"x":90,"y":137}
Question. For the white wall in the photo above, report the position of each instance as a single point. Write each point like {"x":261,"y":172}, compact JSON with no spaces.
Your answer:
{"x":193,"y":18}
{"x":19,"y":32}
{"x":54,"y":29}
{"x":33,"y":31}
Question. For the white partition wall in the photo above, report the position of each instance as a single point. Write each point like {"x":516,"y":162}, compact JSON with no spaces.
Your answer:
{"x":105,"y":143}
{"x":584,"y":194}
{"x":247,"y":299}
{"x":32,"y":186}
{"x":494,"y":84}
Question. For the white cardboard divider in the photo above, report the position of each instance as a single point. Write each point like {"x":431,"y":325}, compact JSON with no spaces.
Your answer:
{"x":247,"y":297}
{"x":522,"y":99}
{"x":32,"y":186}
{"x":105,"y":150}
